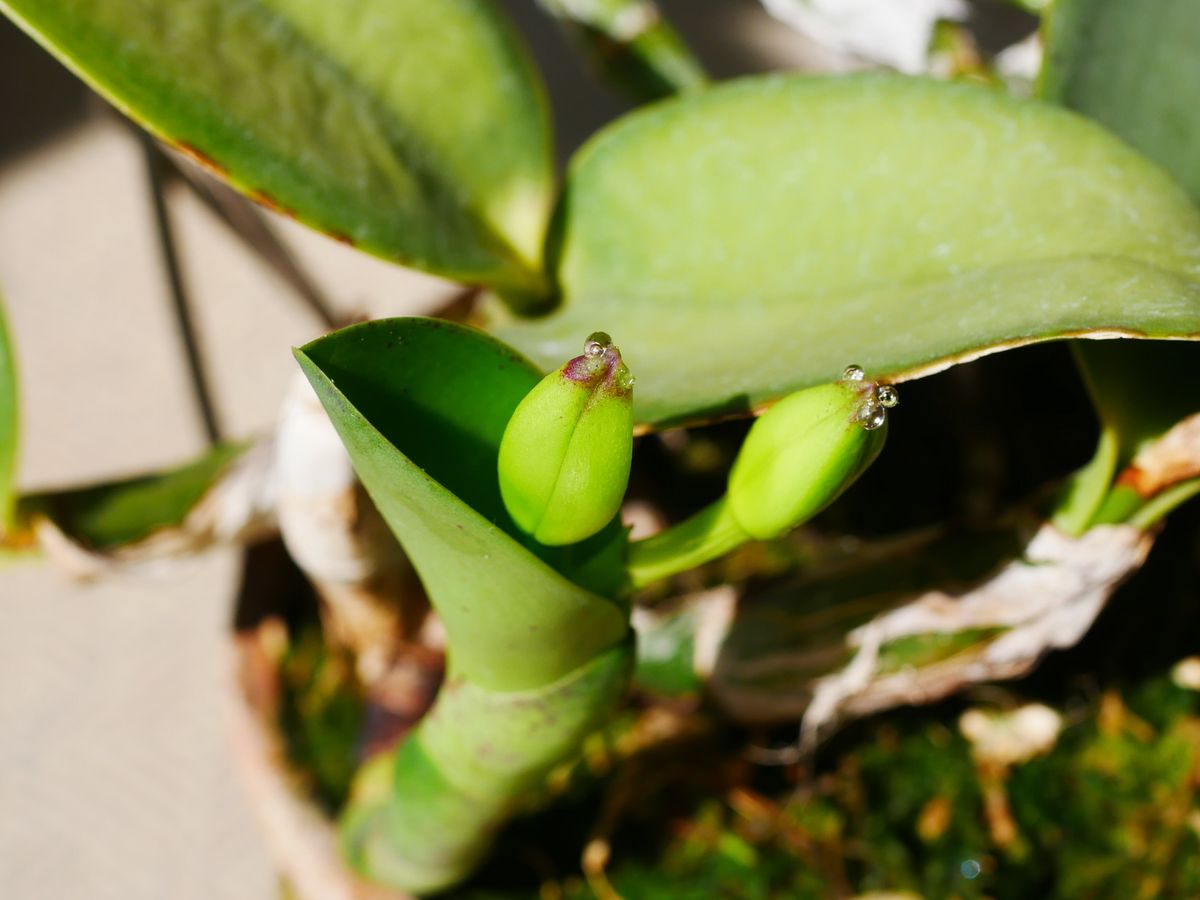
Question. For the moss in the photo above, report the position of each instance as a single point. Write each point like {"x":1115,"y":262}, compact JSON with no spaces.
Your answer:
{"x":900,"y":805}
{"x":321,"y":714}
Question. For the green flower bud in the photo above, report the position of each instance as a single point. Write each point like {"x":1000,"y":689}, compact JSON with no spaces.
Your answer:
{"x":805,"y":450}
{"x":565,"y":455}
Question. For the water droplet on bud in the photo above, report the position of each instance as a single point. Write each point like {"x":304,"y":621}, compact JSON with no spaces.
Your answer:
{"x":853,"y":373}
{"x":596,"y":344}
{"x":871,"y":415}
{"x":887,"y":395}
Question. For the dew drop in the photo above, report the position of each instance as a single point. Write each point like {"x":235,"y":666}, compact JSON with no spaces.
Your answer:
{"x":887,"y":395}
{"x":853,"y":373}
{"x":597,"y":343}
{"x":871,"y":415}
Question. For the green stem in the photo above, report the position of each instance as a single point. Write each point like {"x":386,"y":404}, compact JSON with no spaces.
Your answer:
{"x":1158,"y":506}
{"x":1124,"y":505}
{"x":1086,"y":490}
{"x":476,"y":758}
{"x":1121,"y":503}
{"x":710,"y":533}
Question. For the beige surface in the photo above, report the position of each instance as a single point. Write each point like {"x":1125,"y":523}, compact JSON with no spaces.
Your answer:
{"x":115,"y":774}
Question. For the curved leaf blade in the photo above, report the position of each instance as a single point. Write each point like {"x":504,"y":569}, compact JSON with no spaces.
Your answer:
{"x":754,"y":239}
{"x":114,"y":515}
{"x":416,"y":131}
{"x":421,"y":405}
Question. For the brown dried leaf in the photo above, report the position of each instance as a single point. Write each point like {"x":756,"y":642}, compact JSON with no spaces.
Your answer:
{"x":1173,"y":458}
{"x":1045,"y":600}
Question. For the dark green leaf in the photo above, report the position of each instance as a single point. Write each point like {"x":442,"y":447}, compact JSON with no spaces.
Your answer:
{"x":414,"y":130}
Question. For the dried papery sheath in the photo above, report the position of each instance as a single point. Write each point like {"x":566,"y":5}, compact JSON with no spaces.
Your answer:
{"x":565,"y":455}
{"x":805,"y":450}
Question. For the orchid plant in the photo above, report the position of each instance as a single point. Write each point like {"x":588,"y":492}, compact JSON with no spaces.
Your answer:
{"x":785,"y":246}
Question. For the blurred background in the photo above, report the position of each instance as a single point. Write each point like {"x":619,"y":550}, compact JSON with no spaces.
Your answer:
{"x":116,"y":777}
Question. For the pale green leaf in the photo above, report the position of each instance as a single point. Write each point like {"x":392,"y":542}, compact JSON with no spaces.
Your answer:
{"x":748,"y":241}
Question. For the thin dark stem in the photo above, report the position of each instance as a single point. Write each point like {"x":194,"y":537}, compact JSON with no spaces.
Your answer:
{"x":179,"y":299}
{"x":253,"y":228}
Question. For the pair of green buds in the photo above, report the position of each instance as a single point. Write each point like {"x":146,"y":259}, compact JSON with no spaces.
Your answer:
{"x":566,"y":453}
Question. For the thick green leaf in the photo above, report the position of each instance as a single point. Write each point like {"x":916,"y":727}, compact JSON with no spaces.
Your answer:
{"x":414,"y":130}
{"x":109,"y":516}
{"x":421,"y":405}
{"x":1134,"y":68}
{"x":9,"y":425}
{"x":754,"y":239}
